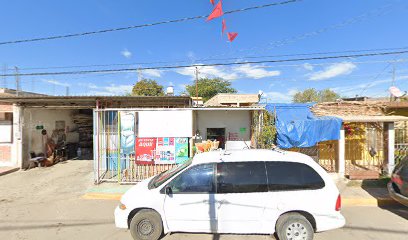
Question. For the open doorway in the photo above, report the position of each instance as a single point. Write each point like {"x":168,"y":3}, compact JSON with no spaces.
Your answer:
{"x":217,"y":134}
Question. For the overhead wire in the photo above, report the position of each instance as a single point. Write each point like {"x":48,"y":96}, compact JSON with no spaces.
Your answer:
{"x":142,"y":25}
{"x":215,"y":59}
{"x":206,"y":65}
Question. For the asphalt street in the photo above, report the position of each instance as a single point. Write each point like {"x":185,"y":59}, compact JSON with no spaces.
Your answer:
{"x":47,"y":204}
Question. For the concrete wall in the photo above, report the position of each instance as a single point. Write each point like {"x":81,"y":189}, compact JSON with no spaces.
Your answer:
{"x":47,"y":118}
{"x":231,"y":120}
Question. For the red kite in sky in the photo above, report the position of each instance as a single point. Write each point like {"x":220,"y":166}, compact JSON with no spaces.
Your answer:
{"x":212,"y":2}
{"x":224,"y":26}
{"x":232,"y":36}
{"x":217,"y":12}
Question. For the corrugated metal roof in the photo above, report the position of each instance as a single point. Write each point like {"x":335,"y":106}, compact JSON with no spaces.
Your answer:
{"x":364,"y":118}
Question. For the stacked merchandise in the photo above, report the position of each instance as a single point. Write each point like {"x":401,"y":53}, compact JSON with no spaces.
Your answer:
{"x":84,"y":124}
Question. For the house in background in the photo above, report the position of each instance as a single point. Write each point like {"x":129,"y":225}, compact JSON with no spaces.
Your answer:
{"x":9,"y":126}
{"x":401,"y":127}
{"x":232,"y":100}
{"x":366,"y":147}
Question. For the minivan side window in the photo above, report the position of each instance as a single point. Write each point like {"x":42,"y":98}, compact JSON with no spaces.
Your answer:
{"x":283,"y":176}
{"x":241,"y":177}
{"x":197,"y":179}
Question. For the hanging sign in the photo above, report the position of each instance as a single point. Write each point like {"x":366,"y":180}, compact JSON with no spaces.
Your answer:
{"x":127,"y":132}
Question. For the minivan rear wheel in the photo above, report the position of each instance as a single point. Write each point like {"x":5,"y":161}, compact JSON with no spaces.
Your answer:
{"x":294,"y":226}
{"x":146,"y":225}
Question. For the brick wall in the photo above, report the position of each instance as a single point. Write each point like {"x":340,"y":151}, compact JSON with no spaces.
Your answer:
{"x":6,"y":108}
{"x":5,"y":153}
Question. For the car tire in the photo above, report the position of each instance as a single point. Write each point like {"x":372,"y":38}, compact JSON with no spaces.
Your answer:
{"x":146,"y":225}
{"x":294,"y":226}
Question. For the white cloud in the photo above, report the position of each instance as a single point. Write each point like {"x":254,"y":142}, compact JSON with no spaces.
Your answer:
{"x":308,"y":66}
{"x":88,"y":85}
{"x":126,"y":53}
{"x":112,"y":90}
{"x":229,"y":73}
{"x":191,"y":55}
{"x":277,"y":97}
{"x":280,"y":97}
{"x":58,"y":83}
{"x":255,"y":72}
{"x":333,"y":70}
{"x":152,"y":72}
{"x":208,"y":71}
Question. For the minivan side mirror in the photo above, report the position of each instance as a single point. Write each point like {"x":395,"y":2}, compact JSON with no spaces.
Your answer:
{"x":167,"y":190}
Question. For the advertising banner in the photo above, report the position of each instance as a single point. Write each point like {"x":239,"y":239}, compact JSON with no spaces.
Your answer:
{"x":145,"y":150}
{"x":161,"y":150}
{"x":165,"y":151}
{"x":181,"y":149}
{"x":127,"y":132}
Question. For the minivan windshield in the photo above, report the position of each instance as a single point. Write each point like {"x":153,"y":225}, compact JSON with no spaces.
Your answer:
{"x":164,"y":176}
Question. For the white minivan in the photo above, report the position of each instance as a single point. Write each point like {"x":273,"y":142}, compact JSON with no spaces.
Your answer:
{"x":243,"y":192}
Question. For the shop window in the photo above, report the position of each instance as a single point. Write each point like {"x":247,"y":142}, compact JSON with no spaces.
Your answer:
{"x":217,"y":134}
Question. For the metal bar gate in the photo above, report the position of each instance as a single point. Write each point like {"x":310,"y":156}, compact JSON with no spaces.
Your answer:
{"x":114,"y":146}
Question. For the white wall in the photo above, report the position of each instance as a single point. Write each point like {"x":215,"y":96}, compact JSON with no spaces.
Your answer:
{"x":45,"y":117}
{"x":231,"y":120}
{"x":170,"y":123}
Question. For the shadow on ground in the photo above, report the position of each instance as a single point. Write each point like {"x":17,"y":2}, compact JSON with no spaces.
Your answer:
{"x":378,"y":189}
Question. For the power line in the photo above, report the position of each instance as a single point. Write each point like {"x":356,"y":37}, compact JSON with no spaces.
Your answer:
{"x":220,"y":59}
{"x":207,"y":65}
{"x":143,"y":25}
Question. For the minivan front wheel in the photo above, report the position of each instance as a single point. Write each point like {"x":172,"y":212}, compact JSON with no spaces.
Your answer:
{"x":146,"y":225}
{"x":294,"y":226}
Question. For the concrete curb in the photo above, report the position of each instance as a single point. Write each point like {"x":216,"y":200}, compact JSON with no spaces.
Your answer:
{"x":369,"y":202}
{"x":9,"y":171}
{"x":349,"y":202}
{"x":102,"y":196}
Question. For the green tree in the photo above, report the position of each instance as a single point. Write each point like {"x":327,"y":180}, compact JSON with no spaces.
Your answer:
{"x":267,"y":135}
{"x":313,"y":95}
{"x":147,"y":87}
{"x":209,"y":87}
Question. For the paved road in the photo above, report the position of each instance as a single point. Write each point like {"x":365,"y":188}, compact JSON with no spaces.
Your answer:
{"x":47,"y":204}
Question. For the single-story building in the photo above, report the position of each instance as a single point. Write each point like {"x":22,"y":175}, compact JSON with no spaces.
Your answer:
{"x":129,"y":138}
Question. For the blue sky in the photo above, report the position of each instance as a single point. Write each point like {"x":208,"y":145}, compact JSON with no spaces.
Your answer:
{"x":306,"y":27}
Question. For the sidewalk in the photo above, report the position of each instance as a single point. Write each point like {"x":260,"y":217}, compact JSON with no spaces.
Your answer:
{"x":351,"y":195}
{"x":356,"y":194}
{"x":7,"y":170}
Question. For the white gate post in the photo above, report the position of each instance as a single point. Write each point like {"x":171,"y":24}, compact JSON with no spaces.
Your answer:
{"x":342,"y":152}
{"x":391,"y":147}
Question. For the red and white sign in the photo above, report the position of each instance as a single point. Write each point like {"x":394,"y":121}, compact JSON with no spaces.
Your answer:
{"x":145,"y":150}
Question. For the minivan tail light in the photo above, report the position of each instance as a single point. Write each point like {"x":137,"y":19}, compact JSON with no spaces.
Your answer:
{"x":396,"y":179}
{"x":338,"y":203}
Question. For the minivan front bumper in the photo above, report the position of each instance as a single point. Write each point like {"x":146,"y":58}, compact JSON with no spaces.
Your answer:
{"x":396,"y":196}
{"x":121,"y":218}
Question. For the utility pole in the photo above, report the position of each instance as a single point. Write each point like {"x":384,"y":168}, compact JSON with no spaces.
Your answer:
{"x":393,"y":80}
{"x":196,"y":72}
{"x":18,"y":88}
{"x":66,"y":90}
{"x":4,"y":77}
{"x":139,"y":75}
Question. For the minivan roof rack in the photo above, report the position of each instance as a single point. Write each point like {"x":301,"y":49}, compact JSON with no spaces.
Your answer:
{"x":277,"y":149}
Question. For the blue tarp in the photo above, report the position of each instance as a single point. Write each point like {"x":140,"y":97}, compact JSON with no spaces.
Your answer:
{"x":297,"y":126}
